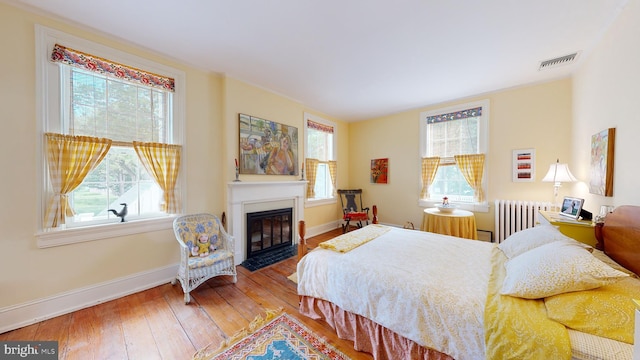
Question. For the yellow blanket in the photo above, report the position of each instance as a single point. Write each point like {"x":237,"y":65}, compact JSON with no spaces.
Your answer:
{"x":518,"y":328}
{"x":352,"y":240}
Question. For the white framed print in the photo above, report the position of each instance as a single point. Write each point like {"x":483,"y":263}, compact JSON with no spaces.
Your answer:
{"x":524,"y":165}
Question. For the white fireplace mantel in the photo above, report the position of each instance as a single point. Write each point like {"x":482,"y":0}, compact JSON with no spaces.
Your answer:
{"x":243,"y":197}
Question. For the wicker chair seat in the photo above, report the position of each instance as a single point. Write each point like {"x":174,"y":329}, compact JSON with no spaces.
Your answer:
{"x":214,"y":257}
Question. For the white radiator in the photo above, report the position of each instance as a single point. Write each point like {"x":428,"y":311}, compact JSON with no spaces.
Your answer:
{"x":515,"y":215}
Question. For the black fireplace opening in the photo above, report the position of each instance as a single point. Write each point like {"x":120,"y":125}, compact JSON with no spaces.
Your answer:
{"x":269,"y":231}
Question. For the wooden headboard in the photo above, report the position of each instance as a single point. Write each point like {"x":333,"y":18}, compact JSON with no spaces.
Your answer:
{"x":619,"y":237}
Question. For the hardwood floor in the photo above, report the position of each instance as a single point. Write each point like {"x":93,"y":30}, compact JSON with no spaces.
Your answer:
{"x":156,"y":324}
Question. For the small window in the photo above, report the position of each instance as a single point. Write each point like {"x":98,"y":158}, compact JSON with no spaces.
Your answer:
{"x":445,"y":133}
{"x":320,"y":158}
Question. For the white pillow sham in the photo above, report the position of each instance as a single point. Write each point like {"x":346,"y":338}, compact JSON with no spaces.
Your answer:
{"x":555,"y":268}
{"x":528,"y":239}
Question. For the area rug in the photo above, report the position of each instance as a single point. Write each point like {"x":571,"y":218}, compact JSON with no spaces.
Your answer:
{"x":276,"y":336}
{"x":293,"y":277}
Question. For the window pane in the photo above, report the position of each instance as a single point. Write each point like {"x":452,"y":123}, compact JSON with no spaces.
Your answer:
{"x":123,"y":112}
{"x":450,"y":182}
{"x":320,"y":145}
{"x":322,"y":185}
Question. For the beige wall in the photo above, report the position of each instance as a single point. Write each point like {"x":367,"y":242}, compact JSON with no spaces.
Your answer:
{"x":606,"y":95}
{"x":537,"y":116}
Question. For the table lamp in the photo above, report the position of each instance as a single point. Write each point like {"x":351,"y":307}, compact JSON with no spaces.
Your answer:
{"x":557,"y":174}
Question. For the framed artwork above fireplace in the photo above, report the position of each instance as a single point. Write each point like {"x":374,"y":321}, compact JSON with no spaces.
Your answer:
{"x":267,"y":147}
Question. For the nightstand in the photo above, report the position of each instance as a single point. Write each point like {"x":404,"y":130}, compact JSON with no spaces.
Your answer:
{"x":581,"y":230}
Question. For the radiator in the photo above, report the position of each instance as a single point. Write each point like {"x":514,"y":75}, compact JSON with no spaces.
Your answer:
{"x":515,"y":215}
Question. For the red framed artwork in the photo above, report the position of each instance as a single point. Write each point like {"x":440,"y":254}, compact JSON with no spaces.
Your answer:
{"x":380,"y":171}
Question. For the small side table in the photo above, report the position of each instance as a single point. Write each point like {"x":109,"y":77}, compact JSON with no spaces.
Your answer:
{"x":581,"y":230}
{"x":460,"y":223}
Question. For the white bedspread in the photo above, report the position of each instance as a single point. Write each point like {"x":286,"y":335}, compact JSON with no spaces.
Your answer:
{"x":431,"y":288}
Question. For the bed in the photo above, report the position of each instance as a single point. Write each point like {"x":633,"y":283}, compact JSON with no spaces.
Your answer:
{"x":399,"y":293}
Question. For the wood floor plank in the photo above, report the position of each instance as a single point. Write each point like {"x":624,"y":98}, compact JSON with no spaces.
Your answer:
{"x":242,"y":303}
{"x":111,"y":343}
{"x":138,"y":337}
{"x":56,"y":329}
{"x":171,"y":340}
{"x":83,"y":330}
{"x":197,"y":324}
{"x":228,"y":319}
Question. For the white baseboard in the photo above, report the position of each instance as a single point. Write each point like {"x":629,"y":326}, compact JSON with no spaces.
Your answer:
{"x":321,"y":229}
{"x":17,"y":316}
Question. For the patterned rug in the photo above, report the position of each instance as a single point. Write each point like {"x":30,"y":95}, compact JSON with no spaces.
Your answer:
{"x":273,"y":337}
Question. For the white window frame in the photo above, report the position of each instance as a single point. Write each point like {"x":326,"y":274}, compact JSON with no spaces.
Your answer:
{"x":333,"y":199}
{"x":483,"y":148}
{"x":48,"y":94}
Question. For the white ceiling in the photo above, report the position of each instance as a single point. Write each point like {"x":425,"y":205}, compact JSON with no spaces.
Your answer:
{"x":357,"y":59}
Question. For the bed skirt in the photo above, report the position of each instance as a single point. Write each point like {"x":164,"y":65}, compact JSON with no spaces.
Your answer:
{"x":367,"y":336}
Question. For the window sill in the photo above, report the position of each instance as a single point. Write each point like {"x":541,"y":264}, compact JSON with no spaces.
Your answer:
{"x":46,"y":239}
{"x":320,"y":202}
{"x":475,"y":207}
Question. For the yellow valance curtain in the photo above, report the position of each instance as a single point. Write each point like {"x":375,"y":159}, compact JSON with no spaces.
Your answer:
{"x":69,"y":158}
{"x":162,"y":161}
{"x":429,"y":170}
{"x":472,"y":168}
{"x":311,"y":166}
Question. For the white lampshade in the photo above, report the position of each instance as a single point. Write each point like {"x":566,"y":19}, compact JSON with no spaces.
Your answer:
{"x":559,"y":173}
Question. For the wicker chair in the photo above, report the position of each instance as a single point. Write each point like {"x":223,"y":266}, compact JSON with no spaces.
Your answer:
{"x":206,"y":251}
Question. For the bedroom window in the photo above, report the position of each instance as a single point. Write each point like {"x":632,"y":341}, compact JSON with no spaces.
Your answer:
{"x":320,"y":159}
{"x":453,"y":144}
{"x":102,"y":96}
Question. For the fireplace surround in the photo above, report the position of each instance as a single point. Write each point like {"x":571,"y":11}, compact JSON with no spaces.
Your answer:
{"x":246,"y":197}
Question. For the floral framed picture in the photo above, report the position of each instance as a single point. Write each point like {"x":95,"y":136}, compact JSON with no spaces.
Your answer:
{"x":601,"y":180}
{"x":267,"y":147}
{"x":524,"y":165}
{"x":380,"y":171}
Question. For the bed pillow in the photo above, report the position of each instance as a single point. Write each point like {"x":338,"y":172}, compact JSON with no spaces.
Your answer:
{"x":531,"y":238}
{"x":606,"y":311}
{"x":555,"y":268}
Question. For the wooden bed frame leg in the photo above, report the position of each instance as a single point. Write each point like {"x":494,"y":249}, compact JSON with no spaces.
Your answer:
{"x":302,"y":244}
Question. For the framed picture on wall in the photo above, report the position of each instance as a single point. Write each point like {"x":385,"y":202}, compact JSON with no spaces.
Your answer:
{"x":267,"y":147}
{"x":601,"y":179}
{"x":380,"y":171}
{"x":524,"y":165}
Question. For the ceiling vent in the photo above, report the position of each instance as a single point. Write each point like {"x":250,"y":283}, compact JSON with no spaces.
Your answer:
{"x":562,"y":60}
